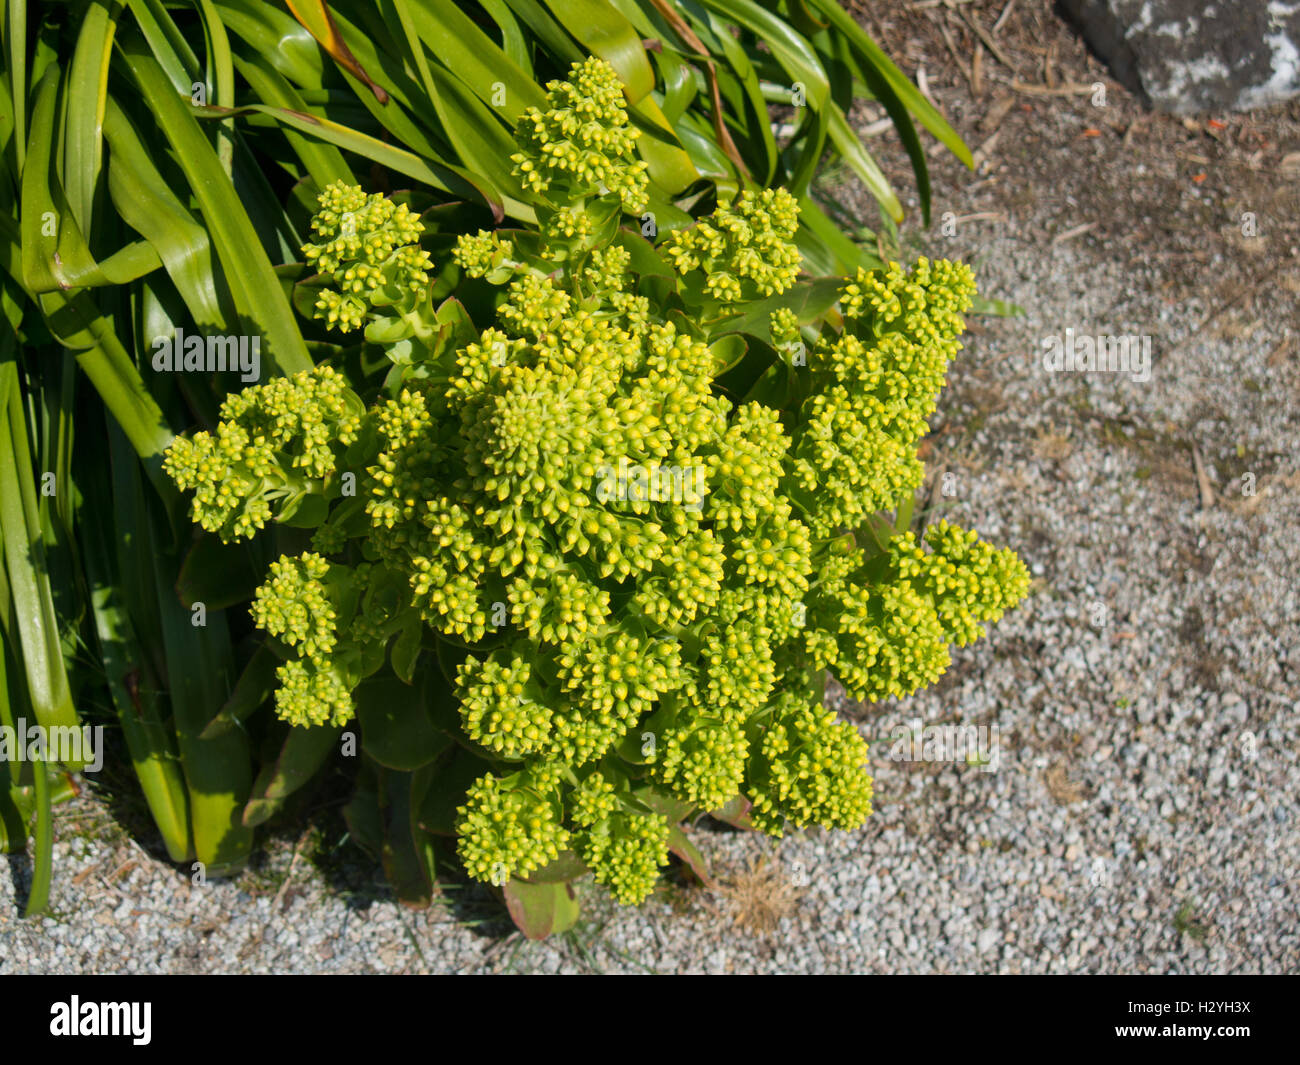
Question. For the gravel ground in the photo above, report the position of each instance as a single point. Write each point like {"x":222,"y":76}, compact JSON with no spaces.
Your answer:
{"x":1143,"y":706}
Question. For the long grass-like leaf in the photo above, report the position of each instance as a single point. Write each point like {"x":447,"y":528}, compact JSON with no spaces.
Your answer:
{"x":149,"y":738}
{"x":606,"y":33}
{"x":512,"y":35}
{"x":147,"y":203}
{"x":258,"y":295}
{"x":275,"y":36}
{"x":316,"y":17}
{"x":87,"y":94}
{"x":55,"y":255}
{"x":323,"y":161}
{"x":475,"y":58}
{"x":167,"y":44}
{"x":221,"y":79}
{"x":38,"y":898}
{"x":404,"y":162}
{"x":24,"y":556}
{"x":16,"y":49}
{"x":860,"y":160}
{"x":198,"y":669}
{"x":792,"y":51}
{"x":926,"y":113}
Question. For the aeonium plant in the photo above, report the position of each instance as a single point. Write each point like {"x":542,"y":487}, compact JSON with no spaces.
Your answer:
{"x":606,"y":548}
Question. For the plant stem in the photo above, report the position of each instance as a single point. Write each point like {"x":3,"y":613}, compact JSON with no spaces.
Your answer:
{"x":38,"y":899}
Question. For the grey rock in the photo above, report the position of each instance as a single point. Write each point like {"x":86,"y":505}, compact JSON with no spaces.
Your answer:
{"x":1185,"y":56}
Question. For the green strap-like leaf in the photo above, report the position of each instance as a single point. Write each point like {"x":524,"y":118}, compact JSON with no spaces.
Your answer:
{"x":77,"y":323}
{"x":87,"y":94}
{"x":16,"y":67}
{"x":449,"y":179}
{"x":738,"y":68}
{"x":606,"y":33}
{"x":276,"y":37}
{"x":516,"y":45}
{"x":147,"y":203}
{"x":475,"y":58}
{"x":317,"y":17}
{"x":258,"y":296}
{"x":38,"y":895}
{"x":149,"y":738}
{"x":862,"y":163}
{"x":198,"y":673}
{"x":25,"y":559}
{"x":167,"y":44}
{"x":54,"y":252}
{"x":825,"y":248}
{"x":324,"y":162}
{"x":925,"y":111}
{"x":304,"y":751}
{"x":792,"y":51}
{"x":550,"y":33}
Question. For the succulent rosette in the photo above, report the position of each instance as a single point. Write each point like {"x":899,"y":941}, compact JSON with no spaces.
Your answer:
{"x":632,"y":532}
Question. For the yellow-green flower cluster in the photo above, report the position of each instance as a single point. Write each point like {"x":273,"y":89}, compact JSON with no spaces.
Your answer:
{"x":510,"y":828}
{"x":274,"y":440}
{"x":745,"y":250}
{"x":687,"y":579}
{"x":702,"y":761}
{"x":643,"y":569}
{"x":608,"y":685}
{"x":739,"y":669}
{"x":569,"y":223}
{"x":404,"y":482}
{"x":783,"y":324}
{"x":746,"y":468}
{"x":368,"y":248}
{"x":885,"y":632}
{"x":536,"y":306}
{"x":498,"y":709}
{"x":876,"y":384}
{"x":582,"y":143}
{"x":846,"y":469}
{"x":807,"y":768}
{"x":626,"y":853}
{"x":775,"y":558}
{"x":890,"y":642}
{"x":449,"y":598}
{"x":593,"y":800}
{"x":607,"y":271}
{"x":295,"y":605}
{"x":312,"y":693}
{"x":970,"y":581}
{"x":564,"y":608}
{"x":482,"y":253}
{"x":624,"y":847}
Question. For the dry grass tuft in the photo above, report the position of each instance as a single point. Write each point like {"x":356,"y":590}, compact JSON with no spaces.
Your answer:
{"x":757,"y":898}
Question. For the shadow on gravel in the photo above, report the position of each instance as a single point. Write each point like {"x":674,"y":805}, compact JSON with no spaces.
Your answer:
{"x":117,"y":790}
{"x":20,"y":872}
{"x":356,"y":876}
